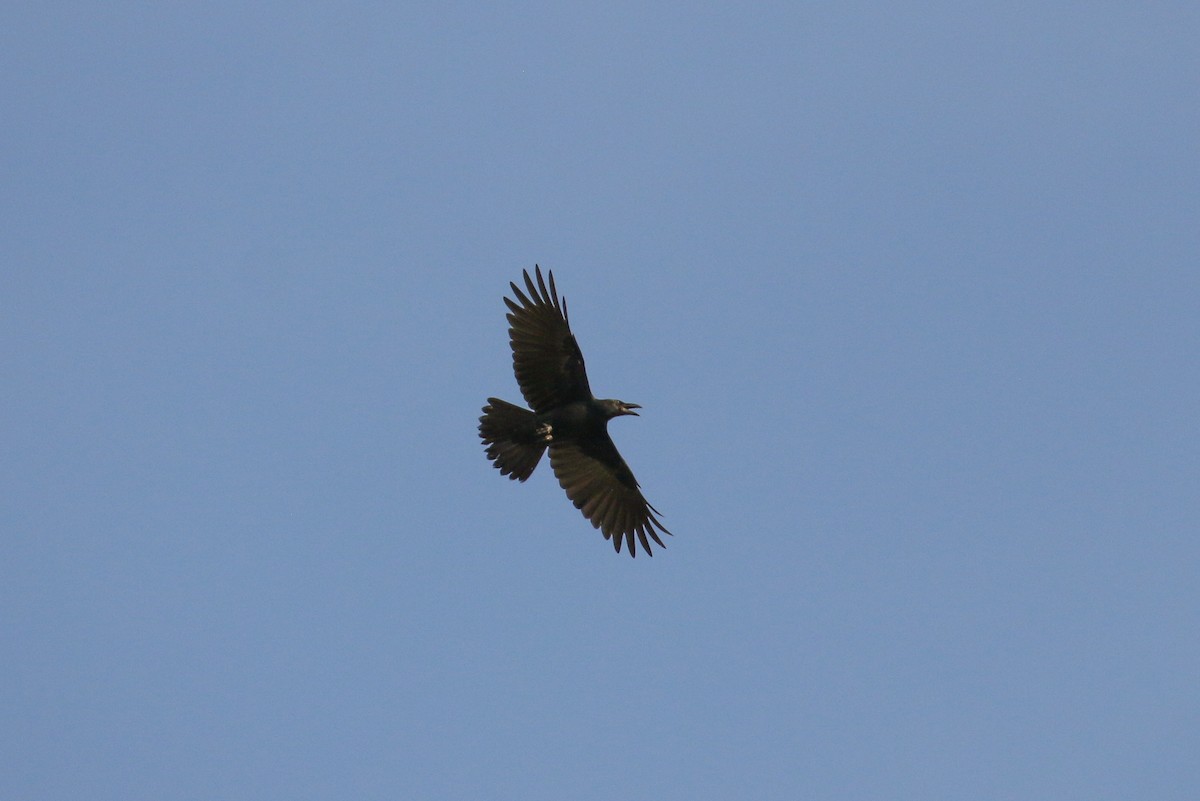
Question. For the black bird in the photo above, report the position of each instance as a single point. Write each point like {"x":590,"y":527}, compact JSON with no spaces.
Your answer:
{"x":567,"y":419}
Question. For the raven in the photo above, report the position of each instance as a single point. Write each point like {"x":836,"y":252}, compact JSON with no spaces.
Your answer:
{"x":566,"y":418}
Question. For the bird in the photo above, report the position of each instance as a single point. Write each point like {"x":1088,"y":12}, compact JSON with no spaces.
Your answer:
{"x":567,"y":419}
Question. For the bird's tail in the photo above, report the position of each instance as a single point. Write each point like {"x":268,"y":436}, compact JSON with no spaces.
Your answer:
{"x":510,"y":434}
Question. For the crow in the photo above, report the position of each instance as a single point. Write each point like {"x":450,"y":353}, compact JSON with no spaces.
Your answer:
{"x":567,"y":419}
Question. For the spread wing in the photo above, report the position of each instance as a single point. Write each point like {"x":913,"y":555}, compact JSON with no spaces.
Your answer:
{"x":602,"y":486}
{"x":546,"y":358}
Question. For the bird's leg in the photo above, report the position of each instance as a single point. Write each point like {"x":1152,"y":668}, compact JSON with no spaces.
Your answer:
{"x":545,"y":432}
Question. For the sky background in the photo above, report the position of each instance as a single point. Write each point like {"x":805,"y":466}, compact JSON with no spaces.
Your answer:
{"x":910,"y":295}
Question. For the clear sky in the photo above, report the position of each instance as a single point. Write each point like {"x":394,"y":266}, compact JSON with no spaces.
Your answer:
{"x":910,"y":295}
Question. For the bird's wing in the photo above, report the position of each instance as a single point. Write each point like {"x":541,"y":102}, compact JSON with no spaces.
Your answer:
{"x":602,"y":486}
{"x":546,"y":358}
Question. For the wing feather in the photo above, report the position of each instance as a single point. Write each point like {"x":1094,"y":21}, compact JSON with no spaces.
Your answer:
{"x":546,"y":358}
{"x":603,"y":488}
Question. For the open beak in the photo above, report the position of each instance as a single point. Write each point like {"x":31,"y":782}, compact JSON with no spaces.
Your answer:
{"x":628,"y":408}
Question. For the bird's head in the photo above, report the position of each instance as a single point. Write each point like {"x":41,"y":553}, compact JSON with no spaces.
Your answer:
{"x":616,"y":408}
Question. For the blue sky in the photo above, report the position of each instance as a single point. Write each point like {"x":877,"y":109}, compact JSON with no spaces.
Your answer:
{"x":909,"y":295}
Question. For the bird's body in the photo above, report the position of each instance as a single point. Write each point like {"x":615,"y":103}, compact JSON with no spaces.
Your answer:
{"x":578,"y":420}
{"x":565,"y":418}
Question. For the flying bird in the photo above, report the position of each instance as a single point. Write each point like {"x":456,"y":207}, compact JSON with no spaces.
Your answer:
{"x":565,"y":417}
